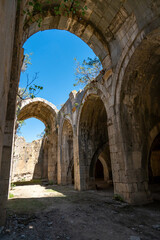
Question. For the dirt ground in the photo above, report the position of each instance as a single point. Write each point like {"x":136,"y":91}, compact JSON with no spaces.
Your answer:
{"x":54,"y":212}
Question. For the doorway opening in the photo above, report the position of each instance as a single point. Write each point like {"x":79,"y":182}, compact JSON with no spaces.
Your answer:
{"x":28,"y":152}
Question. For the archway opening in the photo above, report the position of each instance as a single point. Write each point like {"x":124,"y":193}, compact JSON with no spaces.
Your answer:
{"x":42,"y":153}
{"x":95,"y":163}
{"x":73,"y":175}
{"x":54,"y":62}
{"x":154,"y":168}
{"x":28,"y":161}
{"x":99,"y":172}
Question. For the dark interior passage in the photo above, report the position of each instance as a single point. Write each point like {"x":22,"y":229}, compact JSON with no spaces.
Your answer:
{"x":99,"y":172}
{"x":154,"y":168}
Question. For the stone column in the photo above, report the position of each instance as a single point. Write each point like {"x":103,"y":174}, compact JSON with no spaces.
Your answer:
{"x":77,"y":177}
{"x":59,"y":158}
{"x":129,"y":177}
{"x":7,"y":29}
{"x":5,"y":168}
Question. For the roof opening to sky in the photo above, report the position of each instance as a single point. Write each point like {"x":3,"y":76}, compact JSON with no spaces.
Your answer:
{"x":52,"y":57}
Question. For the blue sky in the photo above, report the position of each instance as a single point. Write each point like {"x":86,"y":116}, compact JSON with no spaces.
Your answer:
{"x":53,"y":53}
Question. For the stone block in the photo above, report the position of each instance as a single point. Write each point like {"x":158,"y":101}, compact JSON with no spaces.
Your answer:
{"x":137,"y":159}
{"x":87,"y":34}
{"x":64,"y":23}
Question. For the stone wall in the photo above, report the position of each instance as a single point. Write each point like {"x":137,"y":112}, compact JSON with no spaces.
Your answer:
{"x":7,"y":31}
{"x":7,"y":23}
{"x":27,"y":160}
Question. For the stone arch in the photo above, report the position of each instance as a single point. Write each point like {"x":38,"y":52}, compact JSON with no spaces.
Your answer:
{"x":92,"y":133}
{"x":66,"y":156}
{"x":47,"y":113}
{"x":82,"y":27}
{"x":95,"y":88}
{"x":40,"y":109}
{"x":105,"y":168}
{"x":154,"y":164}
{"x":139,"y":112}
{"x":138,"y":39}
{"x":153,"y":133}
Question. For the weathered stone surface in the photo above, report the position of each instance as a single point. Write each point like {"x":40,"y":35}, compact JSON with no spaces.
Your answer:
{"x":27,"y":162}
{"x":121,"y":108}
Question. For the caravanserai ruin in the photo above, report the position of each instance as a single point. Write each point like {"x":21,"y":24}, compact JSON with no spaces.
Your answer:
{"x":114,"y":124}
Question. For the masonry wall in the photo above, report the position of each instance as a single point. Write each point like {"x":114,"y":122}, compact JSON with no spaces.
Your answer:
{"x":7,"y":27}
{"x":7,"y":30}
{"x":27,"y":160}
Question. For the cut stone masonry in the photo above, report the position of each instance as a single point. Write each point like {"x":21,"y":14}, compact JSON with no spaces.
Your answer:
{"x":113,"y":130}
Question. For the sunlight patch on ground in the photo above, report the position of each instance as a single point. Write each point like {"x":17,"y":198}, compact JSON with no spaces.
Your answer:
{"x":32,"y":191}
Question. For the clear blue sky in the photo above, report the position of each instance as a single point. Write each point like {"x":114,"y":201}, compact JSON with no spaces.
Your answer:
{"x":53,"y":53}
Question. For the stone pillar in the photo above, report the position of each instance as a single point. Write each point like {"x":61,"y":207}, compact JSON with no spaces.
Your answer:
{"x":59,"y":158}
{"x":7,"y":29}
{"x":50,"y":150}
{"x":129,"y":177}
{"x":77,"y":178}
{"x":45,"y":162}
{"x":50,"y":162}
{"x":5,"y":168}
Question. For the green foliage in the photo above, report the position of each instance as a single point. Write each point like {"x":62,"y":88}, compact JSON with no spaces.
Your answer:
{"x":87,"y":71}
{"x":30,"y":91}
{"x":13,"y":185}
{"x":41,"y":135}
{"x":11,"y":195}
{"x":118,"y":198}
{"x":50,"y":182}
{"x":46,"y":132}
{"x":23,"y":182}
{"x":19,"y":126}
{"x":59,"y":7}
{"x":26,"y":62}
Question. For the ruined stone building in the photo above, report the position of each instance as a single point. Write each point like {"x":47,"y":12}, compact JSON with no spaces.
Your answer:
{"x":115,"y":127}
{"x":27,"y":160}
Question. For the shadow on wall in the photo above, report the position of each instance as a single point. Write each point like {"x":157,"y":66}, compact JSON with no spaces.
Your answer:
{"x":67,"y":154}
{"x":93,"y":141}
{"x":100,"y":169}
{"x":40,"y":168}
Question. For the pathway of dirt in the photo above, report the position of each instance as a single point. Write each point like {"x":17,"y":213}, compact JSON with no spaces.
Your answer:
{"x":55,"y":212}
